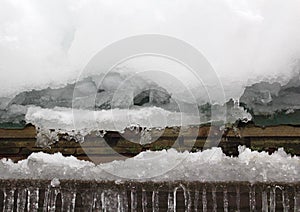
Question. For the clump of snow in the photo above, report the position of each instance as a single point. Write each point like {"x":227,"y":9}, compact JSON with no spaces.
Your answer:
{"x":55,"y":182}
{"x":119,"y":119}
{"x":115,"y":119}
{"x":209,"y":165}
{"x":77,"y":122}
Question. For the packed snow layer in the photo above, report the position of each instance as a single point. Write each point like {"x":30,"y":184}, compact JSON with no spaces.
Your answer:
{"x":78,"y":123}
{"x":207,"y":166}
{"x":116,"y":119}
{"x":119,"y":119}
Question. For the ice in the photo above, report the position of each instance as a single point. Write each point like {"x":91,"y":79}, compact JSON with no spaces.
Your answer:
{"x":89,"y":96}
{"x":111,"y":103}
{"x":137,"y":92}
{"x":116,"y":119}
{"x":4,"y":102}
{"x":266,"y":98}
{"x":46,"y":98}
{"x":13,"y":114}
{"x":50,"y":122}
{"x":208,"y":166}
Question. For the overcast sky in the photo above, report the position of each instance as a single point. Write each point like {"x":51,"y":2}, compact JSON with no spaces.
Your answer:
{"x":49,"y":42}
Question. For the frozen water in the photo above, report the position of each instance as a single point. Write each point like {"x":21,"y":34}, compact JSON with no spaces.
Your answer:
{"x":266,"y":98}
{"x":116,"y":119}
{"x":89,"y":96}
{"x":141,"y":102}
{"x":209,"y":165}
{"x":13,"y":114}
{"x":62,"y":120}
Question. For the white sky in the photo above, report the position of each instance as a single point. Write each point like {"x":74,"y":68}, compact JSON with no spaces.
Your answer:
{"x":49,"y":42}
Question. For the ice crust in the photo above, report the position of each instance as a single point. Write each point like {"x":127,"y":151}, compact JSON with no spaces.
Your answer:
{"x":90,"y":93}
{"x":79,"y":123}
{"x":95,"y":103}
{"x":207,"y":166}
{"x":265,"y":98}
{"x":94,"y":92}
{"x":119,"y":119}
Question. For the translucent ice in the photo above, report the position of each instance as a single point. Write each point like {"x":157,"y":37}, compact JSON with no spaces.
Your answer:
{"x":266,"y":98}
{"x":81,"y":122}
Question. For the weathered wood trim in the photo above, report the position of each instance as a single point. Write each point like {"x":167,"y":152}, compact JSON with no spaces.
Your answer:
{"x":19,"y":143}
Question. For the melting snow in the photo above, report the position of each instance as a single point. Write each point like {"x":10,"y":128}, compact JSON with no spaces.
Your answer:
{"x":209,"y":165}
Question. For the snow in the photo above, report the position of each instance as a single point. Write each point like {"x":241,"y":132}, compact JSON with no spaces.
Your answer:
{"x":116,"y":119}
{"x":139,"y":101}
{"x":55,"y":182}
{"x":78,"y":123}
{"x":236,"y":37}
{"x":167,"y":165}
{"x":119,"y":119}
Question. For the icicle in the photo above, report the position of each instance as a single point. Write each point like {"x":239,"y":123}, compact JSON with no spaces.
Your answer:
{"x":273,"y":199}
{"x":122,"y":201}
{"x":46,"y":199}
{"x":187,"y":198}
{"x":96,"y":206}
{"x":238,"y":198}
{"x":196,"y":200}
{"x":144,"y":200}
{"x":264,"y":200}
{"x":171,"y":206}
{"x":214,"y":197}
{"x":51,"y":195}
{"x":133,"y":198}
{"x":21,"y":200}
{"x":225,"y":199}
{"x":68,"y":198}
{"x":296,"y":201}
{"x":8,"y":200}
{"x":103,"y":203}
{"x":175,"y":198}
{"x":252,"y":201}
{"x":204,"y":200}
{"x":155,"y":205}
{"x":285,"y":201}
{"x":33,"y":199}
